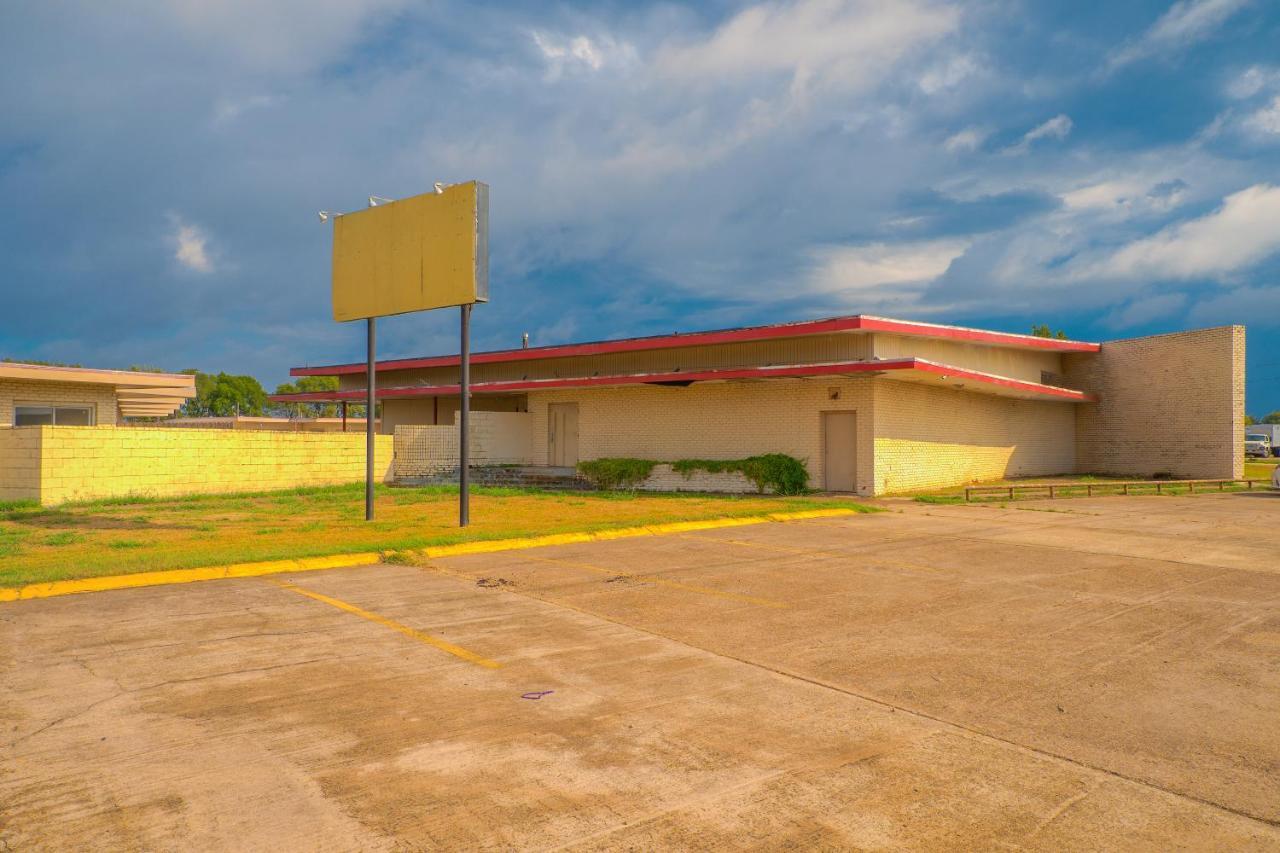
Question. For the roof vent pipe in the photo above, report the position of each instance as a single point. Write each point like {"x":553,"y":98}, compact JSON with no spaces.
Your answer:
{"x":524,"y":341}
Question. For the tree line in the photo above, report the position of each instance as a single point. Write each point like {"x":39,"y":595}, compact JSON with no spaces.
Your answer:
{"x":222,"y":395}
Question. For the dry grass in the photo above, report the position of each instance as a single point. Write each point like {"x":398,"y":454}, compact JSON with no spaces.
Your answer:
{"x":122,"y":536}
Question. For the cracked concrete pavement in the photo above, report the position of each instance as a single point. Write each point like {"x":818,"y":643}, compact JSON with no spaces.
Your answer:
{"x":1076,"y":674}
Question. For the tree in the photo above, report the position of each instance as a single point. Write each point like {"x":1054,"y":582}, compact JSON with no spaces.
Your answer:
{"x":224,"y":395}
{"x":1249,"y":420}
{"x":304,"y":385}
{"x":1273,"y":418}
{"x":1043,"y":331}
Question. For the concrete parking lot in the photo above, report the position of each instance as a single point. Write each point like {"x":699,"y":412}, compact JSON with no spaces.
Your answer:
{"x":1052,"y":675}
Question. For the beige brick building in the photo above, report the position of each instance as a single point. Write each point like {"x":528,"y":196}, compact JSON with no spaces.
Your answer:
{"x":870,"y":405}
{"x":44,"y":395}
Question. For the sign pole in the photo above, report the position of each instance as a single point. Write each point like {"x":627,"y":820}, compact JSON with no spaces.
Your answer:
{"x":369,"y":418}
{"x":464,"y":416}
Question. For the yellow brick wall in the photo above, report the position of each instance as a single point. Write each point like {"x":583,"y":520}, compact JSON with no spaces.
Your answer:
{"x":80,"y":463}
{"x":20,"y":464}
{"x":928,"y":437}
{"x":1167,"y":404}
{"x":712,"y":421}
{"x":17,"y":392}
{"x":497,"y":438}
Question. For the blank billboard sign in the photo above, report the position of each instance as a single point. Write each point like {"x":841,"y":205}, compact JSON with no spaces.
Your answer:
{"x":422,"y":252}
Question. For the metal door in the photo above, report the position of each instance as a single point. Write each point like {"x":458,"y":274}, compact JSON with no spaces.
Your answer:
{"x":840,"y":451}
{"x":562,"y":436}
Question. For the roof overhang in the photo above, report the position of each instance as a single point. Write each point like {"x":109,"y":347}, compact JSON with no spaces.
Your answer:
{"x":138,"y":394}
{"x":859,"y":323}
{"x":905,"y":369}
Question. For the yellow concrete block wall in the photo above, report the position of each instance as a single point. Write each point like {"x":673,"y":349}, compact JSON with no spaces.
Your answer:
{"x":20,"y":464}
{"x":1167,"y":404}
{"x":83,"y":463}
{"x":712,"y":421}
{"x":928,"y":437}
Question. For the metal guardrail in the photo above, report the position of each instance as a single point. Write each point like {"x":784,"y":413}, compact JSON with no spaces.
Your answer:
{"x":1109,"y":486}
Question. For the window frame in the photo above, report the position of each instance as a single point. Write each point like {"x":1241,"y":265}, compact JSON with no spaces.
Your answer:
{"x":53,"y":408}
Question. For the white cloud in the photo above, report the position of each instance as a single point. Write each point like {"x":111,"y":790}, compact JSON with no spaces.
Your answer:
{"x":1185,"y":22}
{"x":1236,"y":236}
{"x":1254,"y":80}
{"x":842,"y":44}
{"x":948,"y":75}
{"x":1057,"y":127}
{"x":563,"y":53}
{"x":969,"y":139}
{"x":190,"y":245}
{"x":880,"y":274}
{"x":1266,"y":120}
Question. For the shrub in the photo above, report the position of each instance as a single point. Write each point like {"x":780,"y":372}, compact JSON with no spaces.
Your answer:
{"x":619,"y":473}
{"x":785,"y":474}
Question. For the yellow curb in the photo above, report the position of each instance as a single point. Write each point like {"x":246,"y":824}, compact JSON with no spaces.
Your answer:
{"x":338,"y":561}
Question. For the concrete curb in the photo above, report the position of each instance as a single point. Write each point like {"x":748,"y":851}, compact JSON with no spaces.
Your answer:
{"x":338,"y":561}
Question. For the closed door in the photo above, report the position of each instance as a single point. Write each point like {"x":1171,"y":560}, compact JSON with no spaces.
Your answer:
{"x":840,"y":451}
{"x":562,"y":436}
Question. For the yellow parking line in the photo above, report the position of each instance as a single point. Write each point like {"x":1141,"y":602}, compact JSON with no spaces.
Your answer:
{"x":420,"y":636}
{"x":701,"y":590}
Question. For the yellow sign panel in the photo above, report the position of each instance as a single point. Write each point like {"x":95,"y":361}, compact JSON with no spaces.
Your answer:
{"x":426,"y":251}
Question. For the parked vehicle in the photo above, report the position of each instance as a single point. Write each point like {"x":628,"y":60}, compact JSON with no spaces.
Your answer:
{"x":1257,"y":444}
{"x":1275,"y":478}
{"x":1271,"y":431}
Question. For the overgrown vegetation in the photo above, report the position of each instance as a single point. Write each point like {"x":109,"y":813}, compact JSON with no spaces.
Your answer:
{"x":784,"y":474}
{"x":616,"y":473}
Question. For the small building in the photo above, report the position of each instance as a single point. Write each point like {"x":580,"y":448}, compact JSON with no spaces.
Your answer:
{"x":869,"y":404}
{"x":43,"y":395}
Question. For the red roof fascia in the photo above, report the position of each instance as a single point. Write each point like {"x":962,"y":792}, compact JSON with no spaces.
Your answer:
{"x":724,"y":336}
{"x":785,"y":372}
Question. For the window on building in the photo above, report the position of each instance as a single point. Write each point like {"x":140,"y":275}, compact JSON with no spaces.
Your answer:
{"x":53,"y":416}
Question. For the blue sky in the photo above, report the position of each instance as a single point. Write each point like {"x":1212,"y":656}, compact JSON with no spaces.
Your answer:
{"x":1112,"y":169}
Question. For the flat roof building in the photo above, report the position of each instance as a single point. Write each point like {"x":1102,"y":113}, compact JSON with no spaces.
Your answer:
{"x":871,"y":405}
{"x":38,"y":394}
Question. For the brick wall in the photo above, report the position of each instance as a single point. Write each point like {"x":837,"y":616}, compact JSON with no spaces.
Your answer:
{"x":81,"y":463}
{"x":712,"y":421}
{"x":1167,"y":404}
{"x":497,"y":438}
{"x":17,"y":392}
{"x":928,"y":437}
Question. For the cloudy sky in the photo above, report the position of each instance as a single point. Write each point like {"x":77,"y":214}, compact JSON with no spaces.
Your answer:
{"x":1112,"y":169}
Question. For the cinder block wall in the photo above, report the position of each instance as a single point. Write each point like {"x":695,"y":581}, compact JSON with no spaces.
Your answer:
{"x":1167,"y":404}
{"x":20,"y":464}
{"x":17,"y":392}
{"x":82,"y":463}
{"x":497,"y":438}
{"x":712,"y":421}
{"x":928,"y":437}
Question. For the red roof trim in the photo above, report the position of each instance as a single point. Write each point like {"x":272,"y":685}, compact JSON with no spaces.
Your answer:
{"x":853,"y":323}
{"x":721,"y":375}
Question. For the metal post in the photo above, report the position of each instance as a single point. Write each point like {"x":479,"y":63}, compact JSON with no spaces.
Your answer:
{"x":344,"y":415}
{"x":369,"y":418}
{"x":464,"y":416}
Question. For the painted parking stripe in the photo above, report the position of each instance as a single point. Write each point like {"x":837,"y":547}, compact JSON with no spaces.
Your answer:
{"x":420,"y":636}
{"x":685,"y":587}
